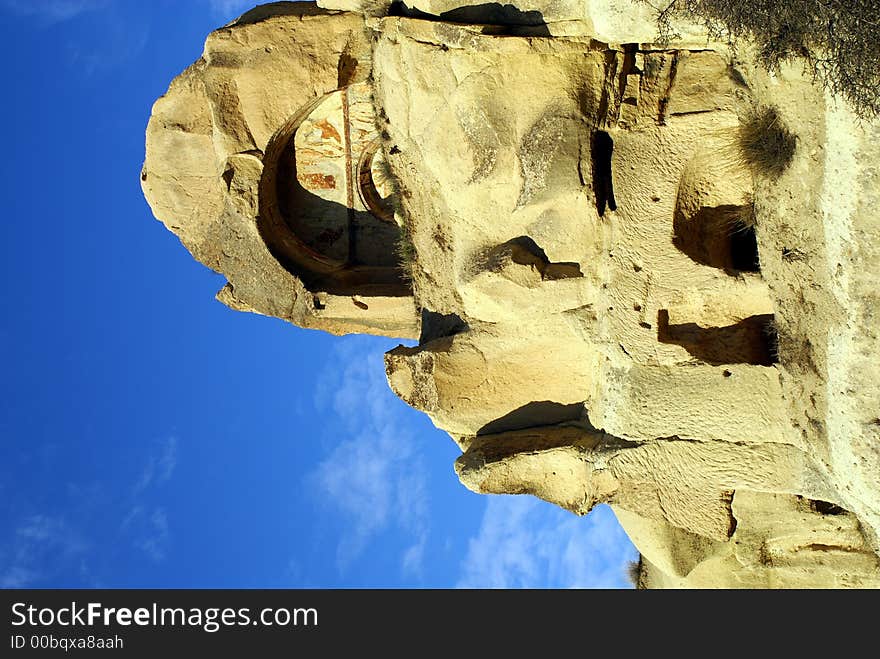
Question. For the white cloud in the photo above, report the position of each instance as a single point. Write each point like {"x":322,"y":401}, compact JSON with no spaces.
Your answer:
{"x":154,"y":541}
{"x":148,"y":527}
{"x":44,"y":548}
{"x":414,"y":558}
{"x":525,"y":543}
{"x":148,"y":530}
{"x":374,"y":476}
{"x":160,"y":465}
{"x":41,"y":545}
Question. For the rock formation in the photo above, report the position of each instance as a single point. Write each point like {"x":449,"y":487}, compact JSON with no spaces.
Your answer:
{"x":615,"y":299}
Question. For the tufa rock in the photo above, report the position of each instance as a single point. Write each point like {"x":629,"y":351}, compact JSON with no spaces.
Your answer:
{"x":612,"y":303}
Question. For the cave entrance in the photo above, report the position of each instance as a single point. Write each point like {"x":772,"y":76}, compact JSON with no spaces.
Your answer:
{"x":752,"y":340}
{"x":719,"y":236}
{"x":602,"y":149}
{"x":325,"y":199}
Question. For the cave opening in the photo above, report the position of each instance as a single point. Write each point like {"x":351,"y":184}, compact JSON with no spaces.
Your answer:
{"x":744,"y":249}
{"x":602,"y":149}
{"x":719,"y":236}
{"x":752,"y":340}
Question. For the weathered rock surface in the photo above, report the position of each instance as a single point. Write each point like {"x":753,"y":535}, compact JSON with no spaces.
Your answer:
{"x":612,"y":305}
{"x":216,"y":142}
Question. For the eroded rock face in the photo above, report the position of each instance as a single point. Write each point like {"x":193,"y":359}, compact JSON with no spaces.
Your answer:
{"x":612,"y":304}
{"x":254,"y":159}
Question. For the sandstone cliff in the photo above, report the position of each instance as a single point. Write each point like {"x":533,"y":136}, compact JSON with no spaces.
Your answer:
{"x":615,"y":300}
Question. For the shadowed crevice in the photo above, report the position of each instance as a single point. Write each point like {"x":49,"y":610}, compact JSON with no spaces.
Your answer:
{"x":750,"y":341}
{"x":536,"y":413}
{"x":603,"y":185}
{"x":438,"y":325}
{"x":524,"y":251}
{"x":719,"y":236}
{"x":826,"y":508}
{"x":487,"y":14}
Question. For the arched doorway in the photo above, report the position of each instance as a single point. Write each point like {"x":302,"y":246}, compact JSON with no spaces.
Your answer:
{"x":325,"y":210}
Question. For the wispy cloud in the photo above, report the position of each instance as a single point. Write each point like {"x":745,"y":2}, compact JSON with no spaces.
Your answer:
{"x":148,"y":530}
{"x":160,"y":465}
{"x":374,"y":477}
{"x":40,"y":546}
{"x":525,"y":543}
{"x":48,"y":12}
{"x":113,"y":33}
{"x":18,"y":576}
{"x":412,"y":562}
{"x":148,"y":525}
{"x":155,"y":542}
{"x":47,"y":549}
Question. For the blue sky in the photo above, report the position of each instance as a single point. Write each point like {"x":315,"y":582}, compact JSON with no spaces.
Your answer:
{"x":151,"y":437}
